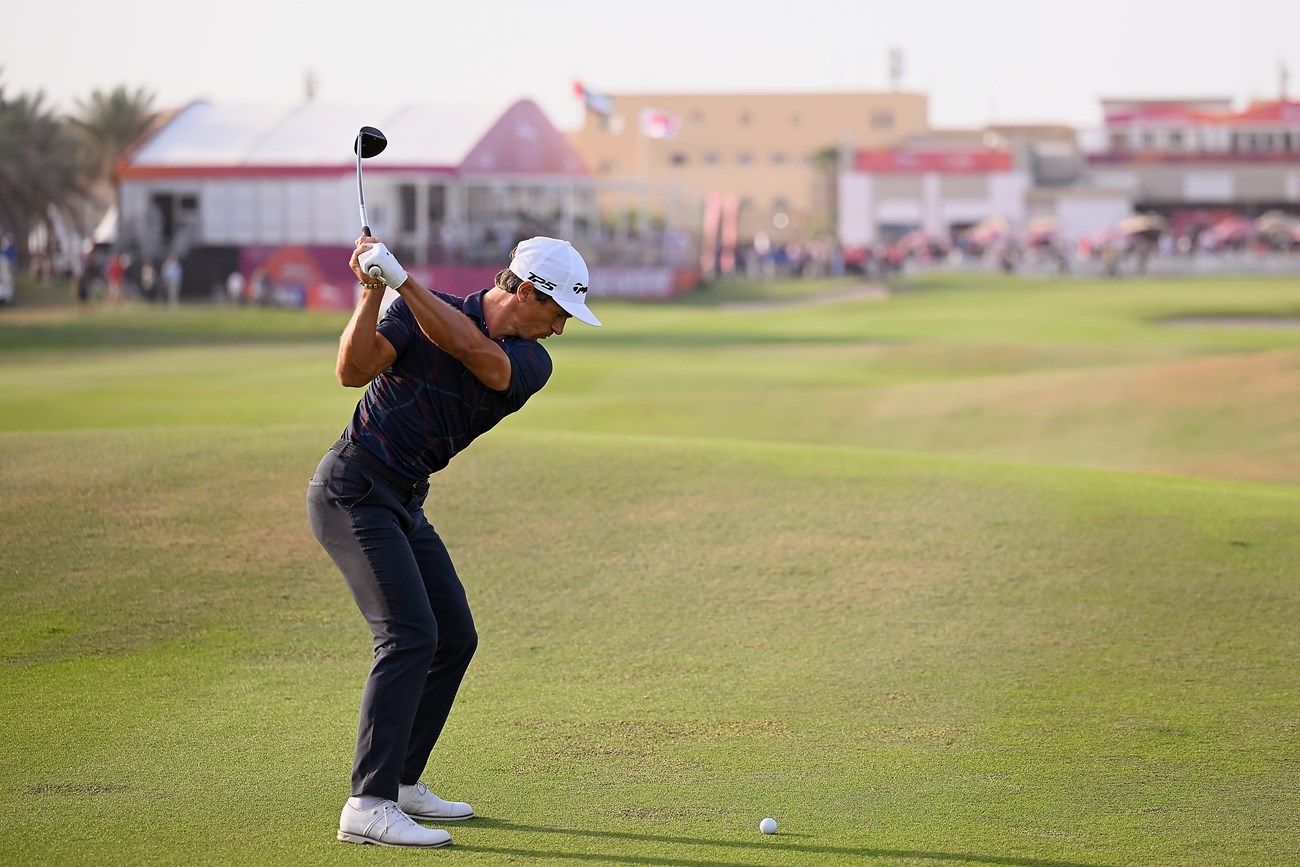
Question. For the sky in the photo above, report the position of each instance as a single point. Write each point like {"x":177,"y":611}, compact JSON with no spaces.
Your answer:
{"x":995,"y":61}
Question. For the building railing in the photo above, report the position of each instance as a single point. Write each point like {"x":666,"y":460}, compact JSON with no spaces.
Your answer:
{"x":1102,"y":158}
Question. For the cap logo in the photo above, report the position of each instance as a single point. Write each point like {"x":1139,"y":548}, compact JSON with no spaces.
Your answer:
{"x":579,"y":289}
{"x":542,"y":281}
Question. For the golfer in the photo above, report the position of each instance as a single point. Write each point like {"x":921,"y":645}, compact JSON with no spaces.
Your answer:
{"x":440,"y":371}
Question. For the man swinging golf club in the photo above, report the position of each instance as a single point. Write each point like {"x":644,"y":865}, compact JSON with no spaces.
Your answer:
{"x":440,"y":371}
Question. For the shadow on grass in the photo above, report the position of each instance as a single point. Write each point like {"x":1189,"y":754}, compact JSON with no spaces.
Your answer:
{"x":98,"y":335}
{"x":778,"y":842}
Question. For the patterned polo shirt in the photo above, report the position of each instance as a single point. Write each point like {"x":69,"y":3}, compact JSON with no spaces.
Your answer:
{"x":419,"y":413}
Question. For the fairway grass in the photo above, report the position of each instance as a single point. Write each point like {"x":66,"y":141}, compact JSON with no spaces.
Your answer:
{"x":728,"y":566}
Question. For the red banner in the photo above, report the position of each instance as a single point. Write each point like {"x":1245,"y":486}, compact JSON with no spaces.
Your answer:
{"x":898,"y":162}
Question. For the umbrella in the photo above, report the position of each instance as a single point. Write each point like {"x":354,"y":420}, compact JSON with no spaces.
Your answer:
{"x":1146,"y":225}
{"x":989,"y":231}
{"x":1277,"y":223}
{"x":1041,"y":230}
{"x":1233,"y":230}
{"x":919,"y":240}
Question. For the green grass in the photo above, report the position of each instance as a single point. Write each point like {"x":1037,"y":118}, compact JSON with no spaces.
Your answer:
{"x":986,"y":573}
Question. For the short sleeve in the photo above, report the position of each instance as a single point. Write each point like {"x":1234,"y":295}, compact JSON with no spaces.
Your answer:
{"x":397,"y":325}
{"x":530,"y":368}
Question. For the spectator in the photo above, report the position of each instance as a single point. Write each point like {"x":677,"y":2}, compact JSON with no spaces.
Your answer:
{"x":115,"y":274}
{"x":171,"y":277}
{"x":235,"y":287}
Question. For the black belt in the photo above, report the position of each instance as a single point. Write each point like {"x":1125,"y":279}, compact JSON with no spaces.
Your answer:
{"x":398,"y":482}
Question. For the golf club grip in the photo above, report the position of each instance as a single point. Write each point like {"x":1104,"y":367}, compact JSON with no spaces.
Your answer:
{"x":365,"y":230}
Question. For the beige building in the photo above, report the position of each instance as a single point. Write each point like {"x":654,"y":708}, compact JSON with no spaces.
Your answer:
{"x":773,"y":157}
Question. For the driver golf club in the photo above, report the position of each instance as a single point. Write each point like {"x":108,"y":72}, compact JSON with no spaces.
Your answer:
{"x":369,"y":142}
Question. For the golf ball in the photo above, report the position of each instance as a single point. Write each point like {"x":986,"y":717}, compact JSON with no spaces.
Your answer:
{"x":767,"y":826}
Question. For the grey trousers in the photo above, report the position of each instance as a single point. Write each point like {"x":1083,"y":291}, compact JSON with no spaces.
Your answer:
{"x":404,"y":582}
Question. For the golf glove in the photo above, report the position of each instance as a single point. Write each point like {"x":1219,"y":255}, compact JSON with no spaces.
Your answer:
{"x":381,"y":264}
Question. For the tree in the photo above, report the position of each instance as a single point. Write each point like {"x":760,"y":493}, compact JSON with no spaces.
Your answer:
{"x":824,"y":221}
{"x":40,"y":177}
{"x":108,"y":124}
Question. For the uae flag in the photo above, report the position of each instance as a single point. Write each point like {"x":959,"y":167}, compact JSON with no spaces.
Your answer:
{"x":596,"y":103}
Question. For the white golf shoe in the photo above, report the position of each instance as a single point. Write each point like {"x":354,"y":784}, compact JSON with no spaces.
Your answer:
{"x":419,"y":803}
{"x":386,"y":825}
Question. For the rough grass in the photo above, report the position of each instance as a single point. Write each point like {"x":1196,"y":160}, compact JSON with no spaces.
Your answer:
{"x":705,"y":596}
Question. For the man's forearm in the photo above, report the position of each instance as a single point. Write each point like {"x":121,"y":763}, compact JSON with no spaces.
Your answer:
{"x":448,"y":328}
{"x":358,"y":349}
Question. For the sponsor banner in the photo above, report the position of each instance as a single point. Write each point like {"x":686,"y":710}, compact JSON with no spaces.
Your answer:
{"x":298,"y":276}
{"x":641,"y":282}
{"x":318,"y":277}
{"x":900,"y":161}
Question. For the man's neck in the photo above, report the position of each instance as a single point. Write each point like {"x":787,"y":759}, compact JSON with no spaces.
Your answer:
{"x":497,"y":313}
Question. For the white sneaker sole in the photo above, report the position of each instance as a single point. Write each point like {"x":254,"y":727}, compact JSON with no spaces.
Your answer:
{"x":346,"y":837}
{"x":423,"y":818}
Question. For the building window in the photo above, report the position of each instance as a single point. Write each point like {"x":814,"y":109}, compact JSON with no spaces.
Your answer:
{"x":1148,"y":141}
{"x":406,"y":194}
{"x":744,"y":159}
{"x":678,"y":159}
{"x":882,"y":119}
{"x":745,"y":118}
{"x":710,"y":159}
{"x":780,"y":203}
{"x":437,"y":203}
{"x":1175,"y":140}
{"x":606,"y":167}
{"x":778,"y":159}
{"x":795,"y":119}
{"x":697,"y":118}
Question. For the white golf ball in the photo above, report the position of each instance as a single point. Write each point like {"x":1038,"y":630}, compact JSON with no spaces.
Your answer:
{"x":767,"y":826}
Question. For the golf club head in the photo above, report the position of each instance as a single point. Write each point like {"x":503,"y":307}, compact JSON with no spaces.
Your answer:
{"x":370,"y":142}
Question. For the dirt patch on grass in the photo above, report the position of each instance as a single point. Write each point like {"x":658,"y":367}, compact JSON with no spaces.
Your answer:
{"x":1224,"y":416}
{"x":1232,"y":320}
{"x":1263,"y":376}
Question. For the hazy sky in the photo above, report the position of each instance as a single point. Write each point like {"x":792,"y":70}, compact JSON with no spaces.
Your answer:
{"x":980,"y":61}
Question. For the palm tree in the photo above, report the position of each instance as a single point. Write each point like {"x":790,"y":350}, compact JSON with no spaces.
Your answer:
{"x":107,"y":125}
{"x":824,"y":220}
{"x":40,"y":180}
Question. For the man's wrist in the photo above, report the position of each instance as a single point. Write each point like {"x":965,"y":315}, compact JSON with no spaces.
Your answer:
{"x":379,"y":263}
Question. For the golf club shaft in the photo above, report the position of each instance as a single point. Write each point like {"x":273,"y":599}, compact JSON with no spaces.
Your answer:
{"x":361,"y":196}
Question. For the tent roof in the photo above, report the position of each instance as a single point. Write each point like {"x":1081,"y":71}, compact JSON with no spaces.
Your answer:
{"x":312,"y":135}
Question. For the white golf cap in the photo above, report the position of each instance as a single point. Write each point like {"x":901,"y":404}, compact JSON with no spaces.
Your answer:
{"x":556,"y":269}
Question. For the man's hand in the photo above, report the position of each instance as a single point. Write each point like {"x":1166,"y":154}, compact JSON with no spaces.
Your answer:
{"x":378,"y":263}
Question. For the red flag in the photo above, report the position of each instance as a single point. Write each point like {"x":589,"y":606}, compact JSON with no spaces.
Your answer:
{"x":658,"y":124}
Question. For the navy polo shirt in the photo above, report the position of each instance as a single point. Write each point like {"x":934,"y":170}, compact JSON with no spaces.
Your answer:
{"x":419,"y":413}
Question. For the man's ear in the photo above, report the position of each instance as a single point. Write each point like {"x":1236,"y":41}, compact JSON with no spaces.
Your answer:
{"x":526,"y":291}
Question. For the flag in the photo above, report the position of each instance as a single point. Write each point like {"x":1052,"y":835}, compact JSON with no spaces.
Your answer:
{"x":658,"y":124}
{"x":596,"y":103}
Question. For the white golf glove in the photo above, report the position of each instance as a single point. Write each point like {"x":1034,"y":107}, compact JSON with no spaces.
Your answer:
{"x":381,"y":264}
